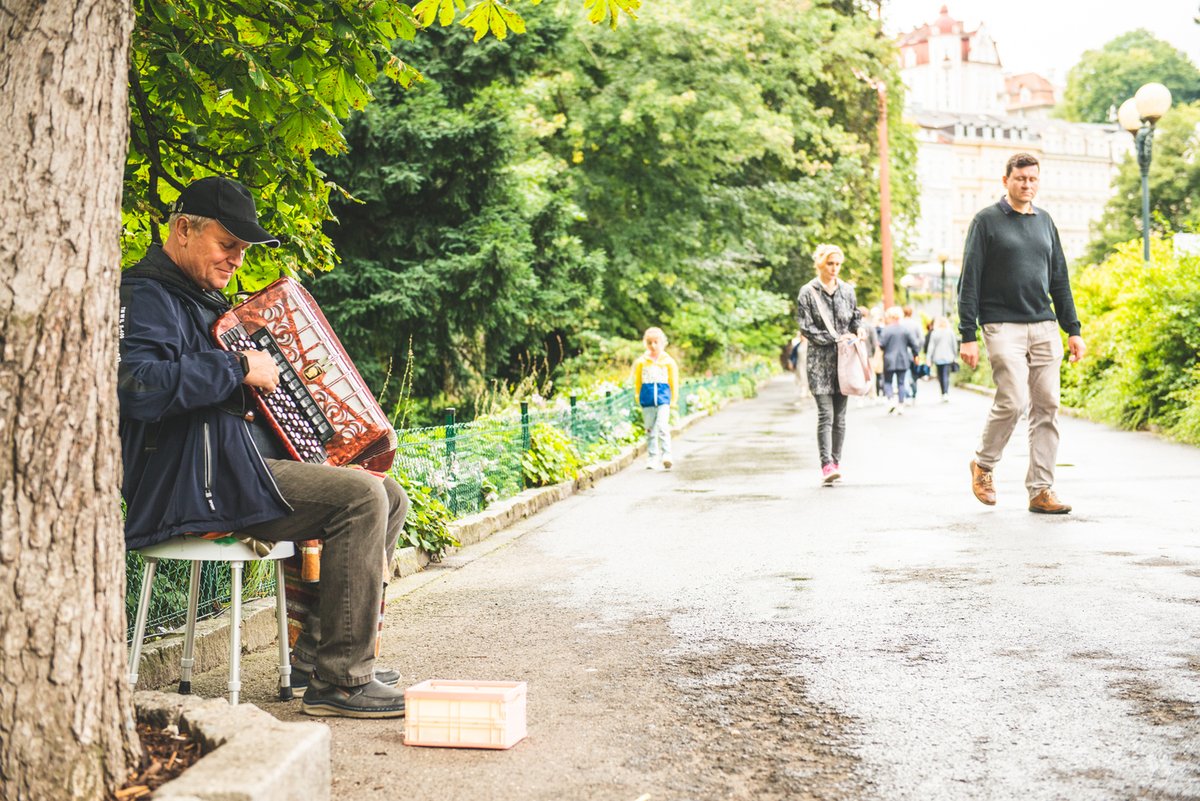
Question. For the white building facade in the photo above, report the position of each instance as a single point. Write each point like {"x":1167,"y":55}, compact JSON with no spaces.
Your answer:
{"x":970,"y":118}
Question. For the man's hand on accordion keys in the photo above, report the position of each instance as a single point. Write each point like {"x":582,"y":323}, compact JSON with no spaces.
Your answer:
{"x":264,"y":373}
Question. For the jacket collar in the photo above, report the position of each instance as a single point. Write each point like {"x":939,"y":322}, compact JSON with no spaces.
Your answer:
{"x":156,"y":265}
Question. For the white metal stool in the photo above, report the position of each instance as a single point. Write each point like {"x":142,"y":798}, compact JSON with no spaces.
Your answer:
{"x":197,"y":550}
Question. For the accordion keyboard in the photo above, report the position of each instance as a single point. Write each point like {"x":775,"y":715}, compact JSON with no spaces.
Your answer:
{"x":296,"y":415}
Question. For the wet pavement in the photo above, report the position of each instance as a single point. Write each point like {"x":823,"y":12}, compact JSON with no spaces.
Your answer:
{"x":731,"y":629}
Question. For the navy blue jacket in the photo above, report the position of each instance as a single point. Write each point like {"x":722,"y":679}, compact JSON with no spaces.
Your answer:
{"x":900,"y":346}
{"x":189,"y":465}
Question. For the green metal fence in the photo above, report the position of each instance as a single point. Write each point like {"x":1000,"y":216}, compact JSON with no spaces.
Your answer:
{"x":467,"y":465}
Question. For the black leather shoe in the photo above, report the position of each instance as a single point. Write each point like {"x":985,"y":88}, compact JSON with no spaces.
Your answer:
{"x":371,"y":700}
{"x":300,"y":677}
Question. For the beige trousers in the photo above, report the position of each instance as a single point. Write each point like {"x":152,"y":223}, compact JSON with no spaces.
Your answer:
{"x":1025,"y":359}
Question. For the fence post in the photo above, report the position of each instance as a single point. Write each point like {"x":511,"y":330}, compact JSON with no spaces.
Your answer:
{"x":574,"y":420}
{"x":451,"y":447}
{"x":683,"y":408}
{"x":525,"y":440}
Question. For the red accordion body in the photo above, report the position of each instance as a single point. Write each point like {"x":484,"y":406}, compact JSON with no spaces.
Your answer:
{"x":322,"y":410}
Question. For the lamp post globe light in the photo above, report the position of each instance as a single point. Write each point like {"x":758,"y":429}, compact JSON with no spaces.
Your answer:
{"x":1138,"y":115}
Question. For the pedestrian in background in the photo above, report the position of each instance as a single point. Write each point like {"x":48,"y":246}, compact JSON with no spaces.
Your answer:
{"x":656,"y":384}
{"x":913,"y":375}
{"x":876,"y":324}
{"x":1013,"y":268}
{"x":942,"y":351}
{"x":799,"y":360}
{"x":827,"y":312}
{"x":900,"y":348}
{"x":868,"y":335}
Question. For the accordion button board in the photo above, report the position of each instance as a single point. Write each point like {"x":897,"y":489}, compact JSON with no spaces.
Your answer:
{"x":292,"y":407}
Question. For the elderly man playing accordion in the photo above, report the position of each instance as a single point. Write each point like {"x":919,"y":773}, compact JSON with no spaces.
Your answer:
{"x":198,"y":460}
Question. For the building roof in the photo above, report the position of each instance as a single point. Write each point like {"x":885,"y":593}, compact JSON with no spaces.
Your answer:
{"x":945,"y":25}
{"x":1028,"y":90}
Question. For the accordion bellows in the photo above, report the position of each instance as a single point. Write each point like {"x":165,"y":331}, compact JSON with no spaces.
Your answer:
{"x":322,"y":410}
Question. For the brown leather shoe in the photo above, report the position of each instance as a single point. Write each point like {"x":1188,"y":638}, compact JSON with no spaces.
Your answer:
{"x":981,"y":484}
{"x":1047,"y":503}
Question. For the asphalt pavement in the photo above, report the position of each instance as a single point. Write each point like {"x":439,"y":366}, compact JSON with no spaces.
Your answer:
{"x":731,"y":629}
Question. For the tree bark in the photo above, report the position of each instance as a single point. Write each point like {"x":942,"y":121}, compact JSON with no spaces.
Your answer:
{"x":66,"y":714}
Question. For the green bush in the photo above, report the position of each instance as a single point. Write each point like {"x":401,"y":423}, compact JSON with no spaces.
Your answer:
{"x":427,"y":524}
{"x":551,"y":457}
{"x":1142,"y":326}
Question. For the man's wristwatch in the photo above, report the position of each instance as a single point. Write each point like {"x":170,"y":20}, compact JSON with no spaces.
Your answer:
{"x":244,"y":362}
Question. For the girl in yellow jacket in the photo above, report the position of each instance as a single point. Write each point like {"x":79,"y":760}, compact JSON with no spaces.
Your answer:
{"x":656,"y":384}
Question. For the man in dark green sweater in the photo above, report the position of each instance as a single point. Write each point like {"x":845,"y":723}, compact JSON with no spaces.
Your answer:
{"x":1013,"y":270}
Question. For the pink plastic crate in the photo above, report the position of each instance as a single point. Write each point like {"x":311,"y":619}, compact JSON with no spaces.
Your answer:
{"x":465,"y":714}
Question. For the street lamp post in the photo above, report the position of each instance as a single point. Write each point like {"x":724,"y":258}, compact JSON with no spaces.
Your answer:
{"x":885,"y":187}
{"x":942,"y":257}
{"x":1138,"y":115}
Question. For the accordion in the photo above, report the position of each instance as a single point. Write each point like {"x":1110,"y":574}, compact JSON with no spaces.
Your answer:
{"x":322,"y":409}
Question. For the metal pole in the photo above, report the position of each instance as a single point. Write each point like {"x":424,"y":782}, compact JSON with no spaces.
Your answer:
{"x":574,"y":418}
{"x":526,"y":442}
{"x":885,"y":198}
{"x":451,"y":435}
{"x":451,"y":448}
{"x":1144,"y":140}
{"x":943,"y":287}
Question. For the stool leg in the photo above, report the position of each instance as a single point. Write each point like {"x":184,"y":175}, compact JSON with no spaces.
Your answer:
{"x":189,"y":633}
{"x":235,"y":633}
{"x":139,"y":625}
{"x":285,"y":662}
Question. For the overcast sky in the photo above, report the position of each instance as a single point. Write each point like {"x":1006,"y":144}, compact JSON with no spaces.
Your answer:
{"x":1048,"y":36}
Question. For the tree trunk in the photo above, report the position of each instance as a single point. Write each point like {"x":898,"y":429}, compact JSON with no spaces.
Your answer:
{"x":66,"y":715}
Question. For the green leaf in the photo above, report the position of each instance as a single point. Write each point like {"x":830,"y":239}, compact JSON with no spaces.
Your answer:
{"x":511,"y":18}
{"x":179,"y":62}
{"x":443,"y":11}
{"x":599,"y":10}
{"x":479,"y":19}
{"x":255,"y":73}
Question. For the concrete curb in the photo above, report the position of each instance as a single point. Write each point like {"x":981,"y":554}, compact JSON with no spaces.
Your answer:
{"x":250,"y":756}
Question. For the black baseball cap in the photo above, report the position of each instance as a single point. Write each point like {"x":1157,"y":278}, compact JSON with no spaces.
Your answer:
{"x":227,"y":202}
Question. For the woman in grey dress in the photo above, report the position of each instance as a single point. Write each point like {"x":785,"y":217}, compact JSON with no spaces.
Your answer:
{"x":826,"y":296}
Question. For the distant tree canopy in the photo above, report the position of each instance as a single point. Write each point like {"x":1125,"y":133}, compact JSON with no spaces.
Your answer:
{"x":677,"y":172}
{"x":1174,"y":186}
{"x":1105,"y":78}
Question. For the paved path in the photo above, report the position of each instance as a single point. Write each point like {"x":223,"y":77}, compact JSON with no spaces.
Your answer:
{"x":732,"y":630}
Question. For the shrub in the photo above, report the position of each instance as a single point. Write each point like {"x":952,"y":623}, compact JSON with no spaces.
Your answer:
{"x":1142,"y":326}
{"x":427,"y":524}
{"x":551,"y":457}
